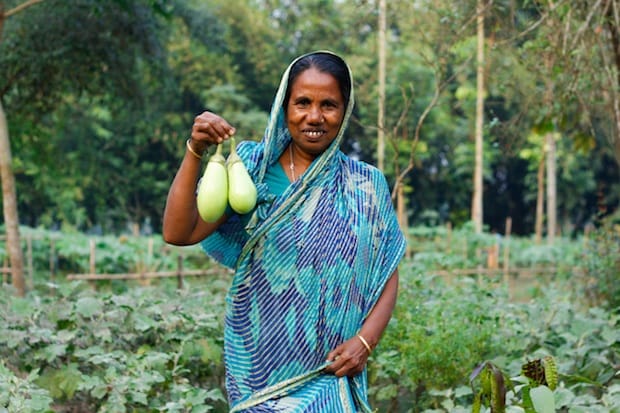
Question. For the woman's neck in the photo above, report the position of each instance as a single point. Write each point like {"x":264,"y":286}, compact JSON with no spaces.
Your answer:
{"x":295,"y":162}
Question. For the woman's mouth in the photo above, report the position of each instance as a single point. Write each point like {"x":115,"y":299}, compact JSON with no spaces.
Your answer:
{"x":314,"y":134}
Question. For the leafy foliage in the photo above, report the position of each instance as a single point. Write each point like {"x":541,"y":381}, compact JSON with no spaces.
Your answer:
{"x":602,"y":265}
{"x":427,"y":347}
{"x":141,"y":351}
{"x":100,"y":96}
{"x":153,"y":347}
{"x":492,"y":391}
{"x":22,"y":394}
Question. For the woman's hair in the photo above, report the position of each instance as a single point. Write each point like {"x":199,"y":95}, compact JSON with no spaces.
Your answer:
{"x":325,"y":63}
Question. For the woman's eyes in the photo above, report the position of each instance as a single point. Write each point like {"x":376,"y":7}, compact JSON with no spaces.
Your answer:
{"x":302,"y":103}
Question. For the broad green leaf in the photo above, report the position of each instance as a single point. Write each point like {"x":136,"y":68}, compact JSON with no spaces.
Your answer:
{"x":99,"y":391}
{"x":13,"y":338}
{"x":88,"y":306}
{"x":51,"y":352}
{"x":611,"y":335}
{"x":24,"y":307}
{"x":65,"y":336}
{"x":89,"y":352}
{"x":142,"y":322}
{"x":63,"y":382}
{"x":462,"y":391}
{"x":542,"y":399}
{"x":39,"y":403}
{"x":387,"y":392}
{"x":139,"y":397}
{"x":211,"y":352}
{"x":563,"y":397}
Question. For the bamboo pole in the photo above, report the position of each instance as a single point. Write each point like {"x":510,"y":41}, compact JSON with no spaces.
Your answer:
{"x":148,"y":274}
{"x":448,"y":237}
{"x":506,"y":260}
{"x":29,"y":261}
{"x":499,"y":271}
{"x":149,"y":251}
{"x":180,"y":272}
{"x":92,"y":261}
{"x":52,"y":260}
{"x":381,"y":92}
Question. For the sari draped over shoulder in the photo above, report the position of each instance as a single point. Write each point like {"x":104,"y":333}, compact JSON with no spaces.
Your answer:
{"x":309,"y":266}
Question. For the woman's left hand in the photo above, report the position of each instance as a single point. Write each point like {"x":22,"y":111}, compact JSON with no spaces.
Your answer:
{"x":349,"y":358}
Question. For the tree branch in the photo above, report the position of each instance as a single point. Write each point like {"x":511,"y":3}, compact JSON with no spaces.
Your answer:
{"x":613,"y":24}
{"x":19,"y":8}
{"x":613,"y":79}
{"x":439,"y":87}
{"x":534,"y":25}
{"x":585,"y":24}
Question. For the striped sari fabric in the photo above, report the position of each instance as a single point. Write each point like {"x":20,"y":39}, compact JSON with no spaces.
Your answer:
{"x":309,"y":267}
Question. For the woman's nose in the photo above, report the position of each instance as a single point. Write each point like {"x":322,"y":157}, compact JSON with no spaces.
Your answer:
{"x":315,"y":115}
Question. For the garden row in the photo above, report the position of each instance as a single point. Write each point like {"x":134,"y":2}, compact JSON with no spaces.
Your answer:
{"x":127,"y":346}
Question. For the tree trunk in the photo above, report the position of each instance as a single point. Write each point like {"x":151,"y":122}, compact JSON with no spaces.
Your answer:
{"x":2,"y":18}
{"x":613,"y":25}
{"x":476,"y":210}
{"x":9,"y":202}
{"x":9,"y":195}
{"x":550,"y":152}
{"x":540,"y":198}
{"x":551,"y":187}
{"x":616,"y":138}
{"x":401,"y":212}
{"x":381,"y":75}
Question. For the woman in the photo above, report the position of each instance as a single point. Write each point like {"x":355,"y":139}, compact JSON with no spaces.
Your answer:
{"x":315,"y":263}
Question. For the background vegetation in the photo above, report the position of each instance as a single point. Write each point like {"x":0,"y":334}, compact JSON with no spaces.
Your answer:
{"x":99,"y":97}
{"x":147,"y":346}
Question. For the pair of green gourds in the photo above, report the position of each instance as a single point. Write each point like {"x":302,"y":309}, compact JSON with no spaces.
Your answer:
{"x":225,"y":182}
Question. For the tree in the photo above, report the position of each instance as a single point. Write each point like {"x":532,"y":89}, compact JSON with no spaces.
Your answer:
{"x":476,"y":208}
{"x":381,"y":92}
{"x":613,"y":26}
{"x":112,"y":96}
{"x":50,"y":62}
{"x":9,"y":196}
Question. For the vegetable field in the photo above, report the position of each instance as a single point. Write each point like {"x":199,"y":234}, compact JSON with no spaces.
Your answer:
{"x":147,"y":346}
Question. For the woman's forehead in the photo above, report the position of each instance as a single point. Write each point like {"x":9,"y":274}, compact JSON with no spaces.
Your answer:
{"x":313,"y":81}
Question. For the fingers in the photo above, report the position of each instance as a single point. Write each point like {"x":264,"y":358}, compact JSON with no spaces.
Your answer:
{"x":349,"y":359}
{"x":210,"y":128}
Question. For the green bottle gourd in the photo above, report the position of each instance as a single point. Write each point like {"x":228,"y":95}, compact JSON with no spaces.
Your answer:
{"x":241,"y":189}
{"x":212,"y":197}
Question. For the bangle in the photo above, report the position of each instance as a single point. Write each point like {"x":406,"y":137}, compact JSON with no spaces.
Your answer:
{"x":365,"y":343}
{"x":189,"y":148}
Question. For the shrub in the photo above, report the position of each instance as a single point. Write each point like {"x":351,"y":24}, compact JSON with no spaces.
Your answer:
{"x":144,"y":350}
{"x":435,"y":338}
{"x":22,"y":394}
{"x":601,"y":259}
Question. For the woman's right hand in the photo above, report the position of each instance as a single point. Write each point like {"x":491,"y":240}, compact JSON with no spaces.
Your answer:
{"x":210,"y":129}
{"x":182,"y":224}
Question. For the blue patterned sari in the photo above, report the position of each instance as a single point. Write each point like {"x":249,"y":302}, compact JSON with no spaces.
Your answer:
{"x":309,"y":267}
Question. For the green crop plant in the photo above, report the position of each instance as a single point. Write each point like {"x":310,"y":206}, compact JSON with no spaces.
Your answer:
{"x":490,"y":385}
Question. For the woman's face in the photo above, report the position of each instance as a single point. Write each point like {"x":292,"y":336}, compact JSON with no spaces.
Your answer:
{"x":315,"y":111}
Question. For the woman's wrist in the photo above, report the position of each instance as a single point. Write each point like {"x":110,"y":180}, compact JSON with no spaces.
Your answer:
{"x":365,"y":343}
{"x":194,"y":149}
{"x":368,"y":337}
